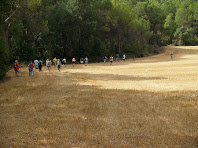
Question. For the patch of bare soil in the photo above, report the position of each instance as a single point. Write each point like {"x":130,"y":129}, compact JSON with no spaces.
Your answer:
{"x":152,"y":102}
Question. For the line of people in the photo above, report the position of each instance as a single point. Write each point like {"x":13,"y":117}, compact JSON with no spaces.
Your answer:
{"x":64,"y":61}
{"x":57,"y":62}
{"x":37,"y":64}
{"x":117,"y":58}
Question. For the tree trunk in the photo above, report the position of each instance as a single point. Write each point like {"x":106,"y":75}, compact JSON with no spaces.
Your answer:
{"x":7,"y":36}
{"x":79,"y":39}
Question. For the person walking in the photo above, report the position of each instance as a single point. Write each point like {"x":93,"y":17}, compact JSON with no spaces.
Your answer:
{"x":86,"y":61}
{"x":133,"y":58}
{"x":36,"y":64}
{"x":40,"y":65}
{"x":55,"y":61}
{"x":123,"y":57}
{"x":73,"y":61}
{"x":111,"y":59}
{"x":81,"y":61}
{"x":16,"y":67}
{"x":59,"y":64}
{"x":117,"y":57}
{"x":46,"y":63}
{"x":171,"y":54}
{"x":64,"y":61}
{"x":31,"y":69}
{"x":49,"y":64}
{"x":105,"y":59}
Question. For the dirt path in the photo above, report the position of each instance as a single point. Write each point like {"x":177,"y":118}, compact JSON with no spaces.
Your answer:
{"x":152,"y":102}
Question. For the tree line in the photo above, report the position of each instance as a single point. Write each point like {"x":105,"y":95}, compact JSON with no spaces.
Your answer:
{"x":42,"y":29}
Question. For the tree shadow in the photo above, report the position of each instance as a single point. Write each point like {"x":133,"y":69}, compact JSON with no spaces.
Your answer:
{"x":106,"y":77}
{"x":5,"y":79}
{"x":113,"y":118}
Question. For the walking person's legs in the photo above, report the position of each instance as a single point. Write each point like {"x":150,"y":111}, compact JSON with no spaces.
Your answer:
{"x":16,"y":72}
{"x":32,"y":73}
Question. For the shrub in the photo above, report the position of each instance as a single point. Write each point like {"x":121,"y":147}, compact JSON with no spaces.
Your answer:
{"x":3,"y":58}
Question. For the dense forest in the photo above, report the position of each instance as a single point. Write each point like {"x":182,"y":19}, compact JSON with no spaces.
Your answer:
{"x":41,"y":29}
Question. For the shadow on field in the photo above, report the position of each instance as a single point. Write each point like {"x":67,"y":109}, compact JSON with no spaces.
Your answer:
{"x":7,"y":78}
{"x":107,"y":77}
{"x":57,"y":112}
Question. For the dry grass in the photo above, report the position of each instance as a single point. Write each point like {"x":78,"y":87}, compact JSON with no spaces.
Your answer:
{"x":150,"y":103}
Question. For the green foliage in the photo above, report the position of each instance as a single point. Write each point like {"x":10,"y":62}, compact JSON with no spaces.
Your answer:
{"x":170,"y":27}
{"x":183,"y":16}
{"x":4,"y":60}
{"x":186,"y":36}
{"x":152,"y":12}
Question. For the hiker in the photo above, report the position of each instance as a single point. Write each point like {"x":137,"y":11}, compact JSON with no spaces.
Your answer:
{"x":31,"y":69}
{"x":117,"y":57}
{"x":40,"y":65}
{"x":123,"y":57}
{"x":64,"y":61}
{"x":36,"y":64}
{"x":55,"y":61}
{"x":16,"y":67}
{"x":111,"y":60}
{"x":171,"y":54}
{"x":86,"y":61}
{"x":81,"y":61}
{"x":105,"y":59}
{"x":73,"y":61}
{"x":46,"y":62}
{"x":133,"y":58}
{"x":59,"y":64}
{"x":49,"y":64}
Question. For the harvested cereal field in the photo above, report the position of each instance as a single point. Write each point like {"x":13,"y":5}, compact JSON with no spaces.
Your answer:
{"x":152,"y":102}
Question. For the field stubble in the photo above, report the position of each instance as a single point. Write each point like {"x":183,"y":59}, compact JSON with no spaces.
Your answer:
{"x":150,"y":103}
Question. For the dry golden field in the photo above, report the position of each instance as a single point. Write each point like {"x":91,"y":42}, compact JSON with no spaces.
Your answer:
{"x":152,"y":102}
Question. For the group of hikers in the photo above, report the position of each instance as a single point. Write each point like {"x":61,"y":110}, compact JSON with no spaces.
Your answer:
{"x":117,"y":58}
{"x":38,"y":64}
{"x":57,"y":62}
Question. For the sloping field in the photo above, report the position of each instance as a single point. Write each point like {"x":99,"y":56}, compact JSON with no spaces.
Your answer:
{"x":152,"y":102}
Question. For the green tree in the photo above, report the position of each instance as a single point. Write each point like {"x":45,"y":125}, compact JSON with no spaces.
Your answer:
{"x":4,"y":58}
{"x":170,"y":27}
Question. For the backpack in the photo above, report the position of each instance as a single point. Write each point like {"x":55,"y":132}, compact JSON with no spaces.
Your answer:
{"x":14,"y":65}
{"x":31,"y":66}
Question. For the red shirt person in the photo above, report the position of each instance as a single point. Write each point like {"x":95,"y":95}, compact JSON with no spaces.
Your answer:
{"x":16,"y":67}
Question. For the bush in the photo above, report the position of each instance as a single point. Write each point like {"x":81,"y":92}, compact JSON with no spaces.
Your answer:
{"x":3,"y":58}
